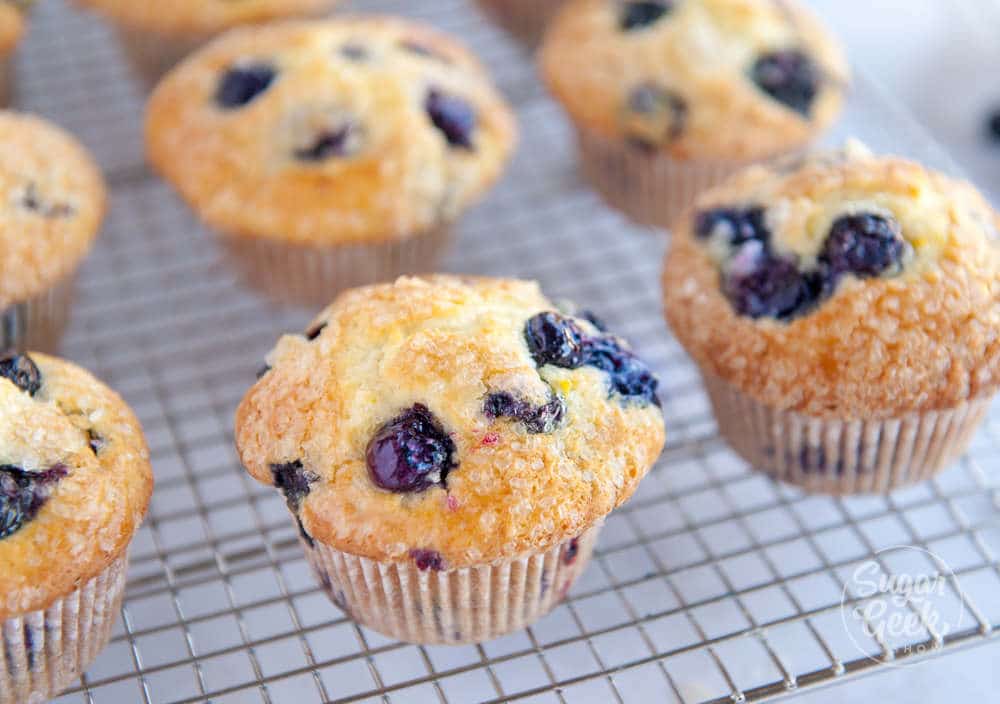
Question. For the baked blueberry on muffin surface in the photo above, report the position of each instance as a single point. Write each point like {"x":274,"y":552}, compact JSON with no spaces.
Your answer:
{"x":847,"y":287}
{"x":448,"y":424}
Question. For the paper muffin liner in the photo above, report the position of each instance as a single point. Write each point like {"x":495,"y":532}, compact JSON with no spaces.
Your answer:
{"x":650,"y":187}
{"x":524,"y":19}
{"x":37,"y":323}
{"x":841,"y":457}
{"x":46,"y":650}
{"x":311,"y":275}
{"x":6,"y":81}
{"x":468,"y":605}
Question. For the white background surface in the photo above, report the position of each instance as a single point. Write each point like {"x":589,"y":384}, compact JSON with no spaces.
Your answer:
{"x":941,"y":58}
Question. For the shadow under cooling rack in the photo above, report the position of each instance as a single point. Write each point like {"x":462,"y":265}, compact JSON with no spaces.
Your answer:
{"x":712,"y":584}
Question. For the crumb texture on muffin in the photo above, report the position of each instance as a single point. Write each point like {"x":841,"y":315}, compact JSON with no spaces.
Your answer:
{"x":193,"y":17}
{"x":726,"y":80}
{"x":353,"y":130}
{"x":841,"y":285}
{"x":52,"y":202}
{"x":75,"y":480}
{"x":511,"y":445}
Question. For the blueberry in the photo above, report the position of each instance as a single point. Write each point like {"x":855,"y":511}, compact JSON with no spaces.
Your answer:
{"x":410,"y":453}
{"x":262,"y":372}
{"x":570,"y":551}
{"x":864,"y":245}
{"x":655,"y":115}
{"x":774,"y":287}
{"x":630,"y":376}
{"x":294,"y":482}
{"x":738,"y":225}
{"x":537,"y":419}
{"x":241,"y":84}
{"x":331,"y":143}
{"x":788,"y":76}
{"x":427,"y":559}
{"x":421,"y":49}
{"x":639,"y":14}
{"x":21,"y":370}
{"x":315,"y":331}
{"x":22,"y":495}
{"x":993,"y":125}
{"x":453,"y":116}
{"x":32,"y":201}
{"x":554,"y":339}
{"x":354,"y":52}
{"x":95,"y":441}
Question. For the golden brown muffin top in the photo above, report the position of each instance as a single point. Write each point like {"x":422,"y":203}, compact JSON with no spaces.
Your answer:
{"x":846,"y":285}
{"x":360,"y":129}
{"x":696,"y":79}
{"x":52,"y":202}
{"x":413,"y":420}
{"x":75,"y":480}
{"x":12,"y":25}
{"x":201,"y":17}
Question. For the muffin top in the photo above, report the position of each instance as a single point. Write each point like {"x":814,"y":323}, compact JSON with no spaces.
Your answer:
{"x":845,"y":285}
{"x":361,"y":129}
{"x":201,"y":17}
{"x":454,"y":421}
{"x":11,"y":24}
{"x":701,"y":79}
{"x":75,"y":480}
{"x":52,"y":206}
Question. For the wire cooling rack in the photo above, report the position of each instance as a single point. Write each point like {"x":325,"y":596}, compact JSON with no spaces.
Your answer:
{"x":713,"y":584}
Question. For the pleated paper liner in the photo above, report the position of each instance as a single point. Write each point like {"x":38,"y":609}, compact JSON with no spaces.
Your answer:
{"x":7,"y":81}
{"x":37,"y":323}
{"x":311,"y":275}
{"x":45,"y":651}
{"x":468,"y":605}
{"x":842,"y":457}
{"x":524,"y":19}
{"x":651,"y":188}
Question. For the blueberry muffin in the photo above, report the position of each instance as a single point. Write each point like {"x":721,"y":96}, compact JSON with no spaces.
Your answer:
{"x":75,"y":483}
{"x":670,"y":96}
{"x":525,"y":19}
{"x":450,"y":447}
{"x":157,"y":35}
{"x":844,"y":312}
{"x":330,"y":153}
{"x":52,"y":206}
{"x":12,"y":27}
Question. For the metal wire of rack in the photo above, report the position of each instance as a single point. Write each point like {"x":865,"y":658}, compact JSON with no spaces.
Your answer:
{"x":712,"y":585}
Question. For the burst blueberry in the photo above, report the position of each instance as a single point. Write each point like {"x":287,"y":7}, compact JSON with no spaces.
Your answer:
{"x":452,"y":116}
{"x":294,"y":481}
{"x":640,"y":13}
{"x":554,"y":339}
{"x":737,"y":225}
{"x":23,"y":493}
{"x":22,"y":371}
{"x":790,"y":77}
{"x":630,"y":377}
{"x":242,"y":84}
{"x":331,"y":143}
{"x":427,"y":559}
{"x":655,"y":116}
{"x":773,"y":288}
{"x":864,"y":245}
{"x":536,"y":419}
{"x":410,"y":453}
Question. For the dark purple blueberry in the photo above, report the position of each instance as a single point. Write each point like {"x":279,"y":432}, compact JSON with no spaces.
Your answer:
{"x":95,"y":441}
{"x":630,"y":376}
{"x":411,"y":452}
{"x":864,"y":245}
{"x":242,"y":84}
{"x":790,"y":77}
{"x":554,"y":339}
{"x":536,"y":419}
{"x":21,"y":370}
{"x":22,"y":495}
{"x":738,"y":225}
{"x":293,"y":481}
{"x":453,"y":116}
{"x":655,"y":115}
{"x":570,"y":551}
{"x":427,"y":559}
{"x":354,"y":52}
{"x":262,"y":372}
{"x":332,"y":143}
{"x":637,"y":14}
{"x":773,"y":287}
{"x":315,"y":331}
{"x":34,"y":202}
{"x":993,"y":125}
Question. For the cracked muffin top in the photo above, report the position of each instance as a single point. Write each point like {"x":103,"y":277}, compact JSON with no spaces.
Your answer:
{"x":52,"y":202}
{"x":351,"y":130}
{"x":465,"y":419}
{"x":697,"y":79}
{"x":842,"y":284}
{"x":201,"y":17}
{"x":75,"y":480}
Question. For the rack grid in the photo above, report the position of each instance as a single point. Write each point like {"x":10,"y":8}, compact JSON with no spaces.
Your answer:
{"x":713,"y":584}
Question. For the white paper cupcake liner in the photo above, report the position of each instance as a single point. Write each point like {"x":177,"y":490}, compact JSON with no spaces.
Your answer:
{"x":843,"y":457}
{"x":44,"y":651}
{"x":313,"y":276}
{"x":37,"y":323}
{"x":524,"y":19}
{"x":468,"y":605}
{"x":650,"y":187}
